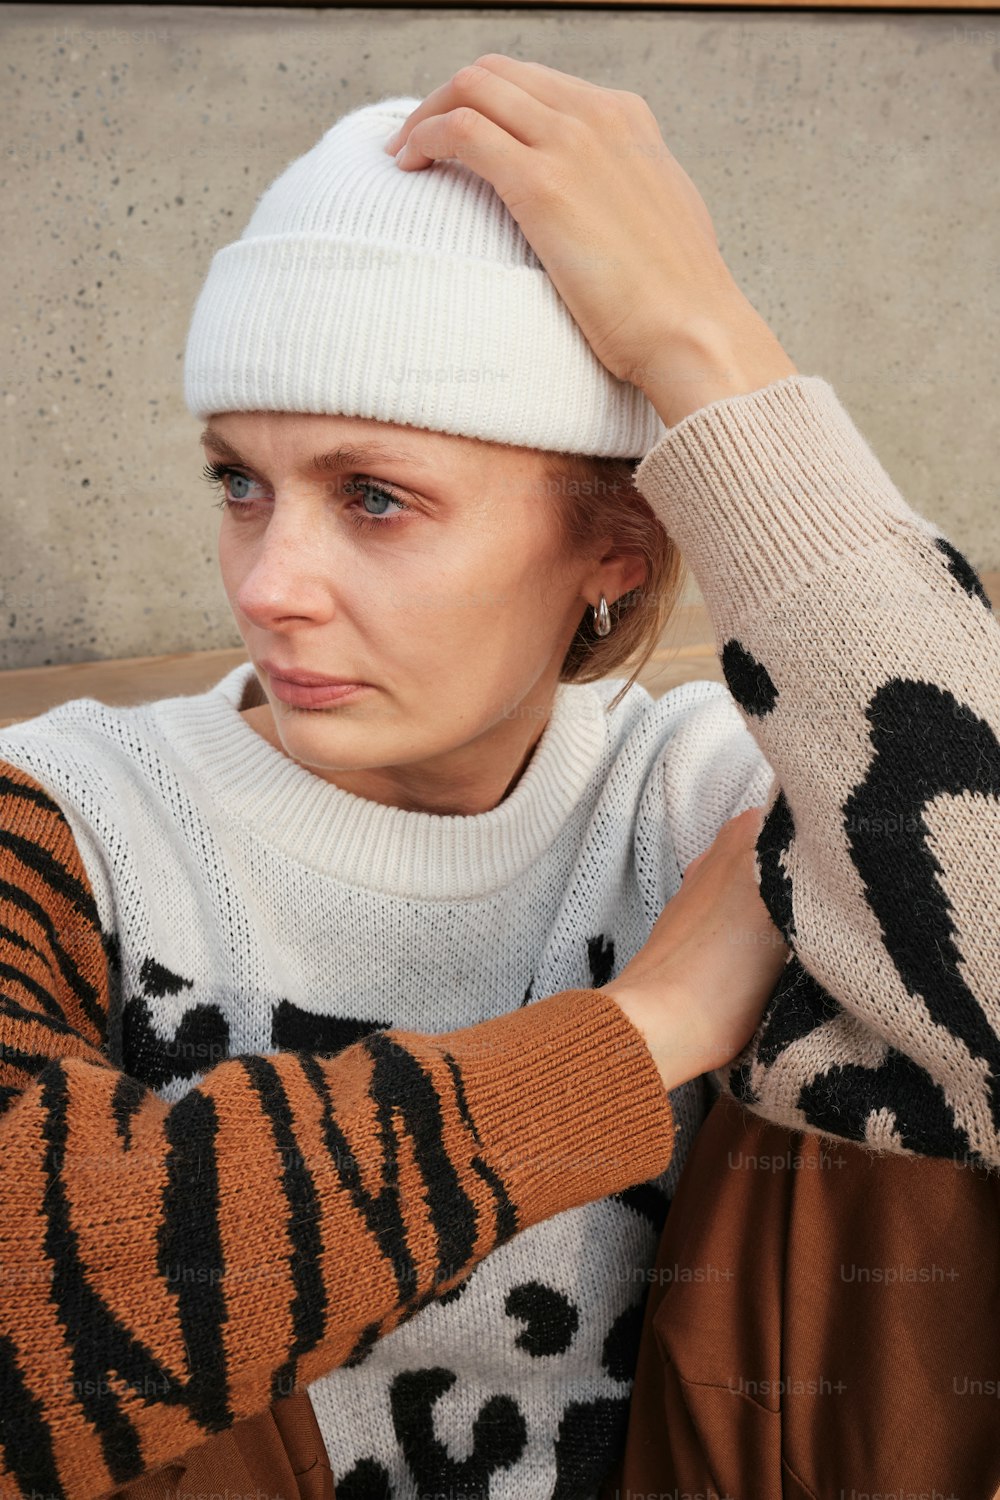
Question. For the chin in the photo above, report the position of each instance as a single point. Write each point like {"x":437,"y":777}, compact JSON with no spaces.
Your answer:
{"x":326,"y":741}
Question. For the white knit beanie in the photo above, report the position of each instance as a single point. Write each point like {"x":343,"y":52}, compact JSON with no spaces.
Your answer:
{"x":412,"y":297}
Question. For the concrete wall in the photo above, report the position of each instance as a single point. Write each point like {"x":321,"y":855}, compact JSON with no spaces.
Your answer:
{"x":848,"y":161}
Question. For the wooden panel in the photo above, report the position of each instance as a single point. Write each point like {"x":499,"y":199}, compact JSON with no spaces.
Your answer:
{"x":685,"y":654}
{"x":625,"y":5}
{"x":129,"y":679}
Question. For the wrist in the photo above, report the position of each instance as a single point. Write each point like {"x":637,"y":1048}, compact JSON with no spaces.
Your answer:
{"x":677,"y":1053}
{"x":711,"y":359}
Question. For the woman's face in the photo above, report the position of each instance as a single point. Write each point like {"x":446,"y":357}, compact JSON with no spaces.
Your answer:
{"x":432,"y":572}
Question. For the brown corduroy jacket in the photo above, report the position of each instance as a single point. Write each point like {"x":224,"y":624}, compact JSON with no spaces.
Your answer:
{"x":822,"y":1323}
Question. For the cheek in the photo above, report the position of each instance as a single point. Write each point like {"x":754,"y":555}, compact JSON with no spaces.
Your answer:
{"x":235,"y":562}
{"x":227,"y":570}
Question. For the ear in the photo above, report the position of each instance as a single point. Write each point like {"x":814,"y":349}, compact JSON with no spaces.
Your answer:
{"x":621,"y":571}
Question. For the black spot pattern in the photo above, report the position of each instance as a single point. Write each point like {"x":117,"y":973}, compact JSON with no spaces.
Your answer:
{"x":842,"y":1099}
{"x":798,"y":1005}
{"x":600,"y":962}
{"x":620,"y":1354}
{"x":113,"y":954}
{"x":158,"y":981}
{"x":499,"y":1436}
{"x":199,"y":1043}
{"x":601,"y":958}
{"x":296,"y":1030}
{"x":748,"y":680}
{"x":591,"y":1436}
{"x":648,"y":1200}
{"x":550,"y":1317}
{"x":961,"y":569}
{"x":111,"y":943}
{"x":740,"y":1086}
{"x":202,"y":1038}
{"x":926,"y":744}
{"x":367,"y":1480}
{"x":194,"y":1237}
{"x":773,"y":842}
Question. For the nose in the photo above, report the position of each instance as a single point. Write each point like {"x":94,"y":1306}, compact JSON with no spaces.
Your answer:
{"x":285,"y":579}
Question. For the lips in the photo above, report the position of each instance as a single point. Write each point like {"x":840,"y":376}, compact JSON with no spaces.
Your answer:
{"x":309,"y":679}
{"x":298,"y":696}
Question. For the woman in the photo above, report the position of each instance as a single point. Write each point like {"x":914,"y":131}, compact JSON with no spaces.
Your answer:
{"x":367,"y":946}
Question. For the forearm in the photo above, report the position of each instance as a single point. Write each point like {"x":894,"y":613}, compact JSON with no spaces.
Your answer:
{"x":709,"y":360}
{"x":275,"y":1218}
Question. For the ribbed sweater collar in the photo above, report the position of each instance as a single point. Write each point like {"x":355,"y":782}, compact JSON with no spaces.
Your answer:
{"x":364,"y":843}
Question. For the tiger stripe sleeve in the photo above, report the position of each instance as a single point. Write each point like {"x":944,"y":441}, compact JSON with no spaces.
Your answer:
{"x":168,"y":1269}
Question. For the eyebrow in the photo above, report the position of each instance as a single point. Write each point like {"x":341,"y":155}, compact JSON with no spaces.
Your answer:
{"x":344,"y":457}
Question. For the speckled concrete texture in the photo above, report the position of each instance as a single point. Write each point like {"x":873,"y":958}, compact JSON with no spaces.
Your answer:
{"x":848,"y":161}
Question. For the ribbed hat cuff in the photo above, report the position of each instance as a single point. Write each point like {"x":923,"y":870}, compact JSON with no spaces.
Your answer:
{"x":266,"y":335}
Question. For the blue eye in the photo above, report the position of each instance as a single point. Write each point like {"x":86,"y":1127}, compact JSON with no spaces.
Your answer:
{"x":371,"y":490}
{"x":219,"y":476}
{"x":235,"y":479}
{"x":223,"y":477}
{"x":367,"y":520}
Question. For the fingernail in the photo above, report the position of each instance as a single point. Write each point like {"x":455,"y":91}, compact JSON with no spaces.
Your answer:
{"x":387,"y":148}
{"x":400,"y":154}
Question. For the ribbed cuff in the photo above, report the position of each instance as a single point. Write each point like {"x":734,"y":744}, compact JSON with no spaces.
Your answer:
{"x":761,"y":490}
{"x":566,"y":1099}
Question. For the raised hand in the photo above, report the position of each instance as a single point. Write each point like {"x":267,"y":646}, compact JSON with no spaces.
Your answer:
{"x":698,"y":986}
{"x":621,"y":229}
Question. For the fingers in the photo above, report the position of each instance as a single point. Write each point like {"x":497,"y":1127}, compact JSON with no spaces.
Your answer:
{"x":501,"y":102}
{"x":468,"y":137}
{"x":547,"y":84}
{"x":526,"y":84}
{"x":520,"y":97}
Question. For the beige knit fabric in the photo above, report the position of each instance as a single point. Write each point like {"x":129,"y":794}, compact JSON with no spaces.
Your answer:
{"x":861,"y":649}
